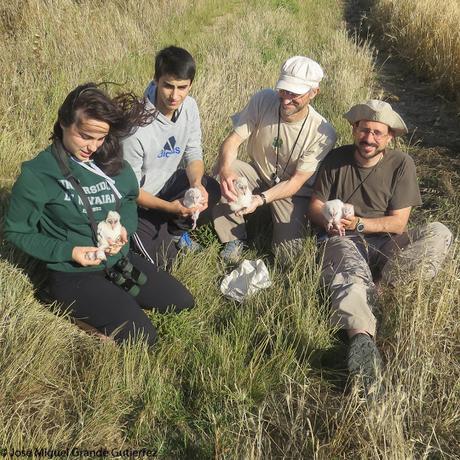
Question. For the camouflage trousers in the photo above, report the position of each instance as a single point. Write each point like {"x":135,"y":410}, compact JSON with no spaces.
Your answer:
{"x":352,"y":263}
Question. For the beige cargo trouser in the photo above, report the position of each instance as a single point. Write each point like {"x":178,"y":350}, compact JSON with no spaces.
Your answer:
{"x":288,"y":214}
{"x":349,"y":264}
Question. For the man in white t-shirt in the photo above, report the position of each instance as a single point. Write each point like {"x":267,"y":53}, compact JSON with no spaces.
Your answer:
{"x":287,"y":139}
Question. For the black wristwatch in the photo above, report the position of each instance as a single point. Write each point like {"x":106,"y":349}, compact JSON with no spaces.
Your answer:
{"x":360,"y":226}
{"x":264,"y":198}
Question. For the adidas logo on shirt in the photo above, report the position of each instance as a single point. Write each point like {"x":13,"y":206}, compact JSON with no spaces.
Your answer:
{"x":169,"y":148}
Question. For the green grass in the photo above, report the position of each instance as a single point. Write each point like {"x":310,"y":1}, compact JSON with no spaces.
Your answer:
{"x":226,"y":380}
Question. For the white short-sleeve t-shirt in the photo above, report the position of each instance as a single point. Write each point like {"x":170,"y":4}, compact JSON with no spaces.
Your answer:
{"x":258,"y":122}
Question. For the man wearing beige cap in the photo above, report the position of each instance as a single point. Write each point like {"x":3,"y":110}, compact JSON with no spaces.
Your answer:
{"x":287,"y":139}
{"x":381,"y":184}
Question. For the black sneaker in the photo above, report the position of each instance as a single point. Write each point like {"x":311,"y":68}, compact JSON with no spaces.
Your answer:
{"x":364,"y":363}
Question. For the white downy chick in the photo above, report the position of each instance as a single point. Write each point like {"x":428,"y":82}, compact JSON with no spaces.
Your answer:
{"x":334,"y":211}
{"x":348,"y":210}
{"x":108,"y":233}
{"x":193,"y":198}
{"x":243,"y":194}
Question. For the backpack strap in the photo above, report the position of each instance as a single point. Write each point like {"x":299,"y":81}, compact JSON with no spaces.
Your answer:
{"x":62,"y":160}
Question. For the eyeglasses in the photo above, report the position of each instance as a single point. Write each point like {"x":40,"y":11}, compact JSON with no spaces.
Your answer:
{"x":378,"y":135}
{"x":292,"y":96}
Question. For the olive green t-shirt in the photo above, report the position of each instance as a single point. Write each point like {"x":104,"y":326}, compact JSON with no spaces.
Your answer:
{"x":389,"y":185}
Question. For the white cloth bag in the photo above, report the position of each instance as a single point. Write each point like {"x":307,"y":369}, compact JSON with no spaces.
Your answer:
{"x":248,"y":278}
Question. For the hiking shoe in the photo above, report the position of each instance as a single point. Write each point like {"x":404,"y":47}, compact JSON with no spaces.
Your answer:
{"x":185,"y":242}
{"x":233,"y":250}
{"x":364,"y":363}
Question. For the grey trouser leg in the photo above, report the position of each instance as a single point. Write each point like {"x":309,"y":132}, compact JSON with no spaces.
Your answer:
{"x":424,"y":251}
{"x":288,"y":214}
{"x":346,"y":272}
{"x":289,"y":218}
{"x":346,"y":269}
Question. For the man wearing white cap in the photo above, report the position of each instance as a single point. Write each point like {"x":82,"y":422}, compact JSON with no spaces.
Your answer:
{"x":287,"y":139}
{"x":381,"y":184}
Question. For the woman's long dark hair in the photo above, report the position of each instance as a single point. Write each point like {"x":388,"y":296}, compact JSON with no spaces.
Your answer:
{"x":123,"y":113}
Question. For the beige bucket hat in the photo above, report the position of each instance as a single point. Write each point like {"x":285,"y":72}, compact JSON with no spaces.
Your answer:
{"x":374,"y":110}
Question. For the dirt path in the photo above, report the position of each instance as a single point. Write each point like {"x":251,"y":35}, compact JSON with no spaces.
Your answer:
{"x":433,"y":121}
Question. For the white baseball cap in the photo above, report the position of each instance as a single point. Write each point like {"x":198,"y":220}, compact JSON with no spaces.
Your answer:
{"x":299,"y":75}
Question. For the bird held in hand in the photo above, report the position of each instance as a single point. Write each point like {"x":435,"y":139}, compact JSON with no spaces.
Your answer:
{"x":193,"y":198}
{"x":334,"y":211}
{"x":108,"y":234}
{"x":243,"y":195}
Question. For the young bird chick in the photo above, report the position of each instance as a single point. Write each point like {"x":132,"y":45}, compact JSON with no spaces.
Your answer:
{"x":108,"y":234}
{"x":193,"y":198}
{"x":243,"y":195}
{"x":334,"y":211}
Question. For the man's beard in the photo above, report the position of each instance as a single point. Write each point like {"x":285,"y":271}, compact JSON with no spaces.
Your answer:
{"x":368,"y":156}
{"x":291,"y":111}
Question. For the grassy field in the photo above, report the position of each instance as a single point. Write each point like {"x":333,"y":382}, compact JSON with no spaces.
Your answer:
{"x":226,"y":380}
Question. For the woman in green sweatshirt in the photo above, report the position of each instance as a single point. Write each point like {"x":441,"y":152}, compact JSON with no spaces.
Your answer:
{"x":63,"y":193}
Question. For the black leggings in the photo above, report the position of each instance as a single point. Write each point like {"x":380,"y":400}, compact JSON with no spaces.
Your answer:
{"x":92,"y":298}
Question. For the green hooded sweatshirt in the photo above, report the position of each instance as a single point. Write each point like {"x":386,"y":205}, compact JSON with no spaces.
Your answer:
{"x":47,"y":219}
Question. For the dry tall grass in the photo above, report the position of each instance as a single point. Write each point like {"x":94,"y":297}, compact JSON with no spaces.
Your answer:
{"x":226,"y":380}
{"x":47,"y":48}
{"x":427,"y":34}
